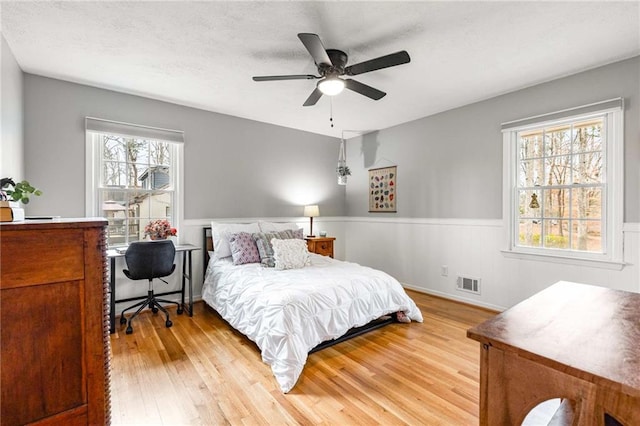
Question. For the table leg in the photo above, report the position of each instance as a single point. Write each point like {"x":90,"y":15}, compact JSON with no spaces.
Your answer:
{"x":514,"y":385}
{"x":187,"y":271}
{"x":190,"y":285}
{"x":112,"y":288}
{"x":184,"y":277}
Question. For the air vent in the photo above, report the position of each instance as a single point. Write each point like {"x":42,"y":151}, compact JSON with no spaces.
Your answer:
{"x":471,"y":285}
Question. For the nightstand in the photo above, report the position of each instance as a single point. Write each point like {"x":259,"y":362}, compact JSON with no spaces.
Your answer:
{"x":320,"y":245}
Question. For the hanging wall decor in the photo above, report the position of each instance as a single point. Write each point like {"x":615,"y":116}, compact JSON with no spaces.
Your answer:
{"x":383,"y":189}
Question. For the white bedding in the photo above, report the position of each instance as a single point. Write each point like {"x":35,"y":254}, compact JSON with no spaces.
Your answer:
{"x":289,"y":312}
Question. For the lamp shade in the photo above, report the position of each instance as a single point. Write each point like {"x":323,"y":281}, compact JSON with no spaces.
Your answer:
{"x":311,"y":211}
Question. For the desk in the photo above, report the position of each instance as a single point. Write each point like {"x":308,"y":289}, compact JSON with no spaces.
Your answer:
{"x":572,"y":341}
{"x":187,"y":271}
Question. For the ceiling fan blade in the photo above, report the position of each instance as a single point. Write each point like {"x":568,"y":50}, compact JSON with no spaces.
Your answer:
{"x":313,"y":98}
{"x":316,"y":49}
{"x":387,"y":61}
{"x":285,"y":77}
{"x":363,"y":89}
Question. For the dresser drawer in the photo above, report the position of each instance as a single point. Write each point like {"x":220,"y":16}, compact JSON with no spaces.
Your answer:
{"x":321,"y":245}
{"x":49,"y":253}
{"x":324,"y":248}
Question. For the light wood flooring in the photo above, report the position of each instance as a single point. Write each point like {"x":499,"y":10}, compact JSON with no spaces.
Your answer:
{"x":202,"y":372}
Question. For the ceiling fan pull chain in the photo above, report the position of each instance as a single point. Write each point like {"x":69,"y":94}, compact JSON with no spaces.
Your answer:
{"x":331,"y":111}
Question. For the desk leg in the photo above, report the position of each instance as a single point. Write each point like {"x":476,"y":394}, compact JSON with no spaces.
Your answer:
{"x":112,"y":288}
{"x":190,"y":285}
{"x":186,"y":276}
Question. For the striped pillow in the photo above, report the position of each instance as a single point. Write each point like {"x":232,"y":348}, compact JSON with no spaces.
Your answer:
{"x":265,"y":249}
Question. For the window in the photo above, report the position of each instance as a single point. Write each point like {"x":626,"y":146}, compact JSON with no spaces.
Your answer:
{"x":132,"y":177}
{"x":563,"y":183}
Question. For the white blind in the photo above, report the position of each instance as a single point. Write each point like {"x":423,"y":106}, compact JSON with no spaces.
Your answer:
{"x":617,"y":103}
{"x":99,"y":125}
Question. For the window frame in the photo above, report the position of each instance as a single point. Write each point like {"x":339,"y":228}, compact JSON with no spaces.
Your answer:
{"x":612,"y":112}
{"x":94,"y":162}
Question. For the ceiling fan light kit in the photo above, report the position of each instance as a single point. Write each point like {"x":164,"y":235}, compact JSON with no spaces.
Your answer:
{"x":331,"y":86}
{"x":331,"y":64}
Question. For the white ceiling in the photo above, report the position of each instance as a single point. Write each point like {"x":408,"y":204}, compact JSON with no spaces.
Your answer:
{"x":203,"y":54}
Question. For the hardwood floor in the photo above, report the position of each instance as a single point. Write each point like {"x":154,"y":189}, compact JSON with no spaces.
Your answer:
{"x":202,"y":372}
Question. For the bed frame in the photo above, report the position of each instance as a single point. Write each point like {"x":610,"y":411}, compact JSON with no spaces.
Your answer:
{"x":207,"y":244}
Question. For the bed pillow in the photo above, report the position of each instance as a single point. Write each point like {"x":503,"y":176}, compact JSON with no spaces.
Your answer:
{"x":221,"y":232}
{"x":276,"y":226}
{"x":243,"y":248}
{"x":298,"y":233}
{"x":290,"y":254}
{"x":265,"y":248}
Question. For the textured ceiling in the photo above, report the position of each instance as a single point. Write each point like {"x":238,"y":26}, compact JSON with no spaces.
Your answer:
{"x":203,"y":54}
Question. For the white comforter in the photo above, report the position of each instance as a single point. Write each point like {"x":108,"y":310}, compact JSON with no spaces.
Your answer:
{"x":287,"y":313}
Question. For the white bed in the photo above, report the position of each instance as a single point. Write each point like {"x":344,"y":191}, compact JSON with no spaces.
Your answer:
{"x":287,"y":313}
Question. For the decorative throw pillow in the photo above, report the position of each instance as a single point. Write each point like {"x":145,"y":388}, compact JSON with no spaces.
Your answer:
{"x":290,"y":254}
{"x":243,"y":248}
{"x":263,"y":241}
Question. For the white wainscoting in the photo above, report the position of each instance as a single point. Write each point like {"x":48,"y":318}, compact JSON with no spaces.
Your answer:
{"x":415,"y":250}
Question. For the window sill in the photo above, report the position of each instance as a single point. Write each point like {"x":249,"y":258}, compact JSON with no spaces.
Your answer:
{"x":592,"y":263}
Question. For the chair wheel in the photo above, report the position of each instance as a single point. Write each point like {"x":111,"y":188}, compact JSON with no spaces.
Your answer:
{"x":180,"y":311}
{"x":123,"y":320}
{"x":154,"y":310}
{"x":168,"y":323}
{"x":129,"y":330}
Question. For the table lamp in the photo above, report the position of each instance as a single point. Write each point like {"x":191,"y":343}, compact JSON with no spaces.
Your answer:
{"x":311,"y":212}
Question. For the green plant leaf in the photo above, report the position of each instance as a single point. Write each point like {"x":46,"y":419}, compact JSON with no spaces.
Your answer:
{"x":21,"y":190}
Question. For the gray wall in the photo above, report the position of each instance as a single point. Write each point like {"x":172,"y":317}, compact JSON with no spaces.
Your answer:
{"x":450,"y":164}
{"x":12,"y":120}
{"x":233,"y":167}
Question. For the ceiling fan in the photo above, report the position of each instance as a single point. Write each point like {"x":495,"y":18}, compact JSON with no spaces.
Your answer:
{"x":331,"y":65}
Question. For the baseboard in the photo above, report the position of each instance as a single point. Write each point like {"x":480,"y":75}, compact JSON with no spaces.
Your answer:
{"x":464,"y":300}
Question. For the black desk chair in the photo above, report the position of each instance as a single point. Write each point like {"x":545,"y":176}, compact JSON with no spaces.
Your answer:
{"x":147,"y":260}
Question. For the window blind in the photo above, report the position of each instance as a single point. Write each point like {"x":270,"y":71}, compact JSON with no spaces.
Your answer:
{"x":617,"y":103}
{"x":99,"y":125}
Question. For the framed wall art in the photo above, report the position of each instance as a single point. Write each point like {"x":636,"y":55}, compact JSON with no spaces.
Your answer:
{"x":383,"y":189}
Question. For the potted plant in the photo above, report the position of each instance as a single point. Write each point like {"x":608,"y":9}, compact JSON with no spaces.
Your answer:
{"x":343,"y":172}
{"x":18,"y":192}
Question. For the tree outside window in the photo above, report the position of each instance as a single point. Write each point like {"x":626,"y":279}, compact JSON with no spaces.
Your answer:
{"x":136,"y":185}
{"x":562,"y":168}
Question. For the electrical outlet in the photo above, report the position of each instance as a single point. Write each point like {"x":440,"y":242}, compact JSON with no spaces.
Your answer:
{"x":444,"y":270}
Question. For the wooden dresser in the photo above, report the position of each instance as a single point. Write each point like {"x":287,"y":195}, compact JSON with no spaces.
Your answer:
{"x":54,"y":323}
{"x":573,"y":341}
{"x":321,"y":245}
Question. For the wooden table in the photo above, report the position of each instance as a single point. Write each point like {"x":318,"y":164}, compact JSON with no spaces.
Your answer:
{"x":572,"y":341}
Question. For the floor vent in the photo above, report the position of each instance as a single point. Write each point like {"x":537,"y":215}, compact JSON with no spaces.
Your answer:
{"x":472,"y":285}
